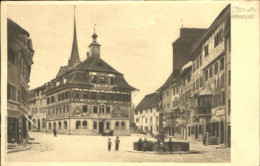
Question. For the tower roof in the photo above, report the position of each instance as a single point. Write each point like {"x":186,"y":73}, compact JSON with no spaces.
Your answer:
{"x":74,"y":57}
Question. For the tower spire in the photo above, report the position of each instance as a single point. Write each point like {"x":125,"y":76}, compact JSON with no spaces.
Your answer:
{"x":74,"y":57}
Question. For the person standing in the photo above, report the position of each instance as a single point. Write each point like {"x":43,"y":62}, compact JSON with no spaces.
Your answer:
{"x":140,"y":144}
{"x":170,"y":145}
{"x":145,"y":144}
{"x":109,"y":144}
{"x":55,"y":132}
{"x":117,"y":141}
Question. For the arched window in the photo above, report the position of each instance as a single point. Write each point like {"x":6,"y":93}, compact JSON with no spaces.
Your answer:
{"x":59,"y":124}
{"x":43,"y":123}
{"x":122,"y":125}
{"x":78,"y":125}
{"x":49,"y":126}
{"x":95,"y":125}
{"x":65,"y":125}
{"x":84,"y":124}
{"x":107,"y":125}
{"x":117,"y":125}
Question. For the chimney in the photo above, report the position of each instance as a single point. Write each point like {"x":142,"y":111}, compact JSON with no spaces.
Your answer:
{"x":87,"y":54}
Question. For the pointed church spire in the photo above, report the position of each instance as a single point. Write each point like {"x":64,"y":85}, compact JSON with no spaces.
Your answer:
{"x":74,"y":57}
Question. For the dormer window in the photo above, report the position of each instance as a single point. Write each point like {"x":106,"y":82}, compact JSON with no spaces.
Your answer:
{"x":57,"y":83}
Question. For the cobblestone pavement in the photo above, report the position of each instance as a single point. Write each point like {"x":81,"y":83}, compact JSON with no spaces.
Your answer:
{"x":81,"y":148}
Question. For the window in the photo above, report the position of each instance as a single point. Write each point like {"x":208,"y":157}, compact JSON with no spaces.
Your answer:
{"x":107,"y":125}
{"x":12,"y":58}
{"x":59,"y":125}
{"x":146,"y":120}
{"x":49,"y":126}
{"x":229,"y":77}
{"x":85,"y":108}
{"x":102,"y":80}
{"x":85,"y":96}
{"x":11,"y":92}
{"x":216,"y":68}
{"x":95,"y":125}
{"x":210,"y":72}
{"x":68,"y":108}
{"x":94,"y":79}
{"x":137,"y":120}
{"x":206,"y":75}
{"x":23,"y":94}
{"x":117,"y":125}
{"x":193,"y":87}
{"x":151,"y":119}
{"x":206,"y":50}
{"x":84,"y":124}
{"x":200,"y":129}
{"x":52,"y":99}
{"x":117,"y":110}
{"x":78,"y":125}
{"x":76,"y":94}
{"x":222,"y":64}
{"x":218,"y":38}
{"x":112,"y":80}
{"x":101,"y":109}
{"x":65,"y":125}
{"x":93,"y":95}
{"x":95,"y":109}
{"x":102,"y":96}
{"x":108,"y":109}
{"x":48,"y":100}
{"x":122,"y":125}
{"x":229,"y":107}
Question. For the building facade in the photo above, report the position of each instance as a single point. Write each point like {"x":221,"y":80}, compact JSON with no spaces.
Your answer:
{"x":204,"y":86}
{"x":147,"y":114}
{"x":20,"y":58}
{"x":37,"y":112}
{"x":87,"y":97}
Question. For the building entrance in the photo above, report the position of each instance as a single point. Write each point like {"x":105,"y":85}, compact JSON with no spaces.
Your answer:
{"x":101,"y":127}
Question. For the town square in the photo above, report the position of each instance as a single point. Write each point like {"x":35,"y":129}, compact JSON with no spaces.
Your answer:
{"x":119,"y":83}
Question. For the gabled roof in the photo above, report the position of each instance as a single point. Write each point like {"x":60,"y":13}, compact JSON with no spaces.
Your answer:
{"x":96,"y":64}
{"x":14,"y":28}
{"x":149,"y":101}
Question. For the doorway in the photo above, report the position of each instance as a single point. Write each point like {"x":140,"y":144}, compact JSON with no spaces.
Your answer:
{"x":39,"y":124}
{"x":101,"y":127}
{"x":221,"y":132}
{"x":196,"y":132}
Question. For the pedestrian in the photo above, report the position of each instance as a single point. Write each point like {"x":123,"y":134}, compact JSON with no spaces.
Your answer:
{"x":170,"y":145}
{"x":117,"y":141}
{"x":145,"y":144}
{"x":140,"y":144}
{"x":109,"y":144}
{"x":55,"y":132}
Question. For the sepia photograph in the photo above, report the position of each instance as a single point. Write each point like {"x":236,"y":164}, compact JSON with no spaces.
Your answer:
{"x":126,"y":82}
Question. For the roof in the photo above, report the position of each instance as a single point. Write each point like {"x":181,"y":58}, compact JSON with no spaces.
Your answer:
{"x":149,"y":101}
{"x":74,"y":57}
{"x":90,"y":64}
{"x":14,"y":28}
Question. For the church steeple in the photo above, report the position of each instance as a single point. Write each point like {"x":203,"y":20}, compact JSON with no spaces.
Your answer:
{"x":74,"y":57}
{"x":94,"y":47}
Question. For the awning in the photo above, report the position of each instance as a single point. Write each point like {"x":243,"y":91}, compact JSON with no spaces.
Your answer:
{"x":31,"y":121}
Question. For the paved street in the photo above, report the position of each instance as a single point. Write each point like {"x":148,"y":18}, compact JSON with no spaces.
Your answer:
{"x":80,"y":148}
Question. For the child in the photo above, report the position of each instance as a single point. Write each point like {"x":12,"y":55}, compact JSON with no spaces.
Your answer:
{"x":109,"y":144}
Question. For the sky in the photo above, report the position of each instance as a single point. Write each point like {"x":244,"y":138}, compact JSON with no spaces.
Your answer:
{"x":136,"y":39}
